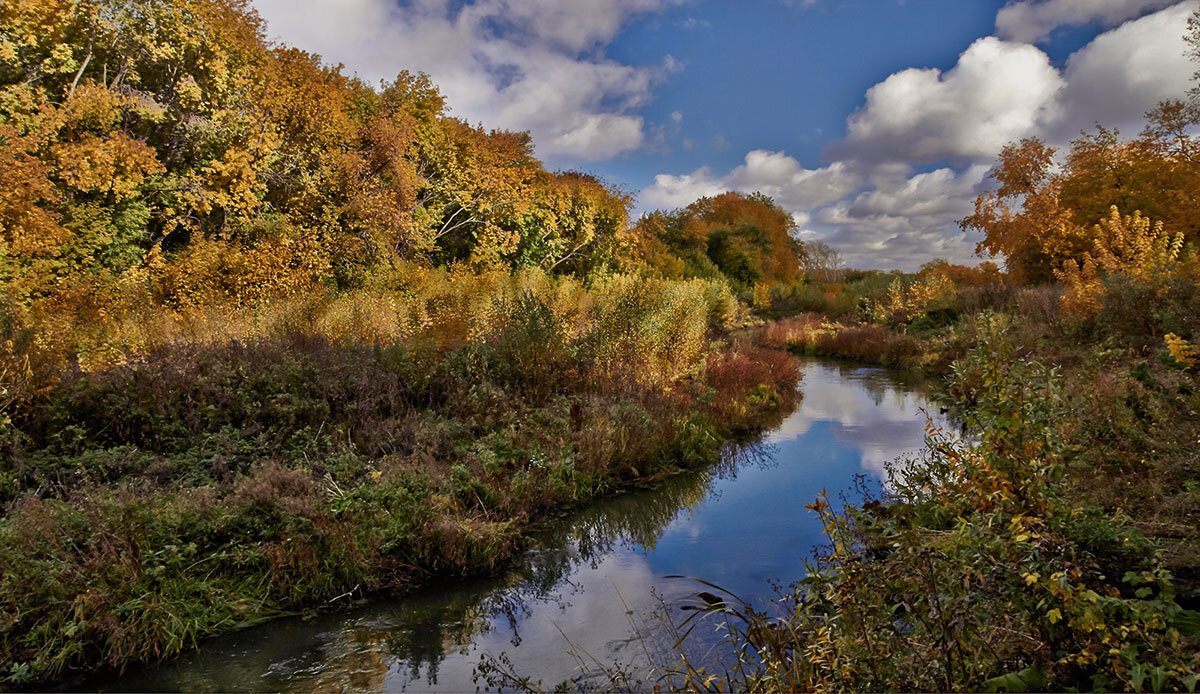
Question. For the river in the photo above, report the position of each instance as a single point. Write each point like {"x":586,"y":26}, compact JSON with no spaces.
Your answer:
{"x":592,"y":591}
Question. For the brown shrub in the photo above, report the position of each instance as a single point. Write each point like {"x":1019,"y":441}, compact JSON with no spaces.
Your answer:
{"x":278,"y":488}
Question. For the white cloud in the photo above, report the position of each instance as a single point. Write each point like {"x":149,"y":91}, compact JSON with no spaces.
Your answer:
{"x":532,"y":65}
{"x":938,"y":193}
{"x":1123,"y":73}
{"x":775,"y":174}
{"x":793,"y":186}
{"x":1034,"y":20}
{"x":873,"y":206}
{"x":902,"y":223}
{"x":1002,"y":91}
{"x":671,"y":192}
{"x":997,"y":92}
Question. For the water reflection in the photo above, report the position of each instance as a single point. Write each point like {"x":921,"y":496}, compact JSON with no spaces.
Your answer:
{"x":595,"y":579}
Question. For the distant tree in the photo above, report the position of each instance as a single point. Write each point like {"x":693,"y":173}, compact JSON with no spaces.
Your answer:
{"x":962,"y":275}
{"x":745,"y":238}
{"x":822,"y":260}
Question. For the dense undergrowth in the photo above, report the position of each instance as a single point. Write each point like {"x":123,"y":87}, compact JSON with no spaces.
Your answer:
{"x":200,"y":487}
{"x":1053,"y":549}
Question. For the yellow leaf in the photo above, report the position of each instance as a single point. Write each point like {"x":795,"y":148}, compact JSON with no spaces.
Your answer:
{"x":1054,"y":616}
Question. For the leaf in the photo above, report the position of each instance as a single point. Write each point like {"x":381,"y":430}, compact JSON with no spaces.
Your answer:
{"x":1188,"y":624}
{"x":1027,"y":680}
{"x":1137,"y":677}
{"x":1158,"y":678}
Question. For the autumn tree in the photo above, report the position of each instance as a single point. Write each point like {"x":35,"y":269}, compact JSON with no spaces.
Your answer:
{"x":166,"y":142}
{"x":469,"y":179}
{"x":1040,"y":216}
{"x":746,"y":238}
{"x":573,"y":222}
{"x":1023,"y":219}
{"x":963,"y":275}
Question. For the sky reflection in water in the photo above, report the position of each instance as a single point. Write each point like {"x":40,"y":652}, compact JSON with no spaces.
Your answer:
{"x":597,"y":578}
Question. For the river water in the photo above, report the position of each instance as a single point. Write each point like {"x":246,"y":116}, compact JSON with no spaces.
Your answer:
{"x":592,"y":594}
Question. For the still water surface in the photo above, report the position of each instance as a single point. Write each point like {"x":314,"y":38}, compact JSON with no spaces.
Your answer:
{"x":593,"y":589}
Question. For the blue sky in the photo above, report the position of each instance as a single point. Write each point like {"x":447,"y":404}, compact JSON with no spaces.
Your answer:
{"x":780,"y":76}
{"x":873,"y":122}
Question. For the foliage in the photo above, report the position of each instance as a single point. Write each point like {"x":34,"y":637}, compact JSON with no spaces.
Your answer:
{"x":1155,"y":173}
{"x":1182,"y":351}
{"x":167,"y":147}
{"x":982,"y":568}
{"x":744,"y":239}
{"x":1126,"y":246}
{"x":1042,"y":234}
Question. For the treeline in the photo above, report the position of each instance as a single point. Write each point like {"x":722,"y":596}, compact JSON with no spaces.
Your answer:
{"x":271,"y":337}
{"x":170,"y":137}
{"x":164,"y":154}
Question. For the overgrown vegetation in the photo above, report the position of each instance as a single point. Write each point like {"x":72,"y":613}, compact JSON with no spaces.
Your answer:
{"x":209,"y":486}
{"x":271,"y":338}
{"x":1056,"y":547}
{"x":1054,"y":550}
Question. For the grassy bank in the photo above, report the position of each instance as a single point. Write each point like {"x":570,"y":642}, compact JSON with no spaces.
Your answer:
{"x":1056,"y":550}
{"x":202,"y":486}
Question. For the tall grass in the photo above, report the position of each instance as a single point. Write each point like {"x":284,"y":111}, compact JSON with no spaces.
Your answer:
{"x":178,"y":474}
{"x":815,"y":335}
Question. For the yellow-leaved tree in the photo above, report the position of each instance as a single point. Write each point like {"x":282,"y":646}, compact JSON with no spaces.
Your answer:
{"x":1131,"y":246}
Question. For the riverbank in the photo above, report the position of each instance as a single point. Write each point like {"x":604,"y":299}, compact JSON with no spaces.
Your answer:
{"x":204,"y":487}
{"x":1057,"y":551}
{"x":594,"y":582}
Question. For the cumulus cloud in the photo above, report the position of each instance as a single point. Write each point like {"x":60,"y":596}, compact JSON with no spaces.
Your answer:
{"x":773,"y":173}
{"x":1001,"y":91}
{"x":532,"y":65}
{"x":874,"y":205}
{"x":938,"y":193}
{"x":1123,"y":73}
{"x":902,"y":223}
{"x":998,"y":92}
{"x":1033,"y":20}
{"x":670,"y":192}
